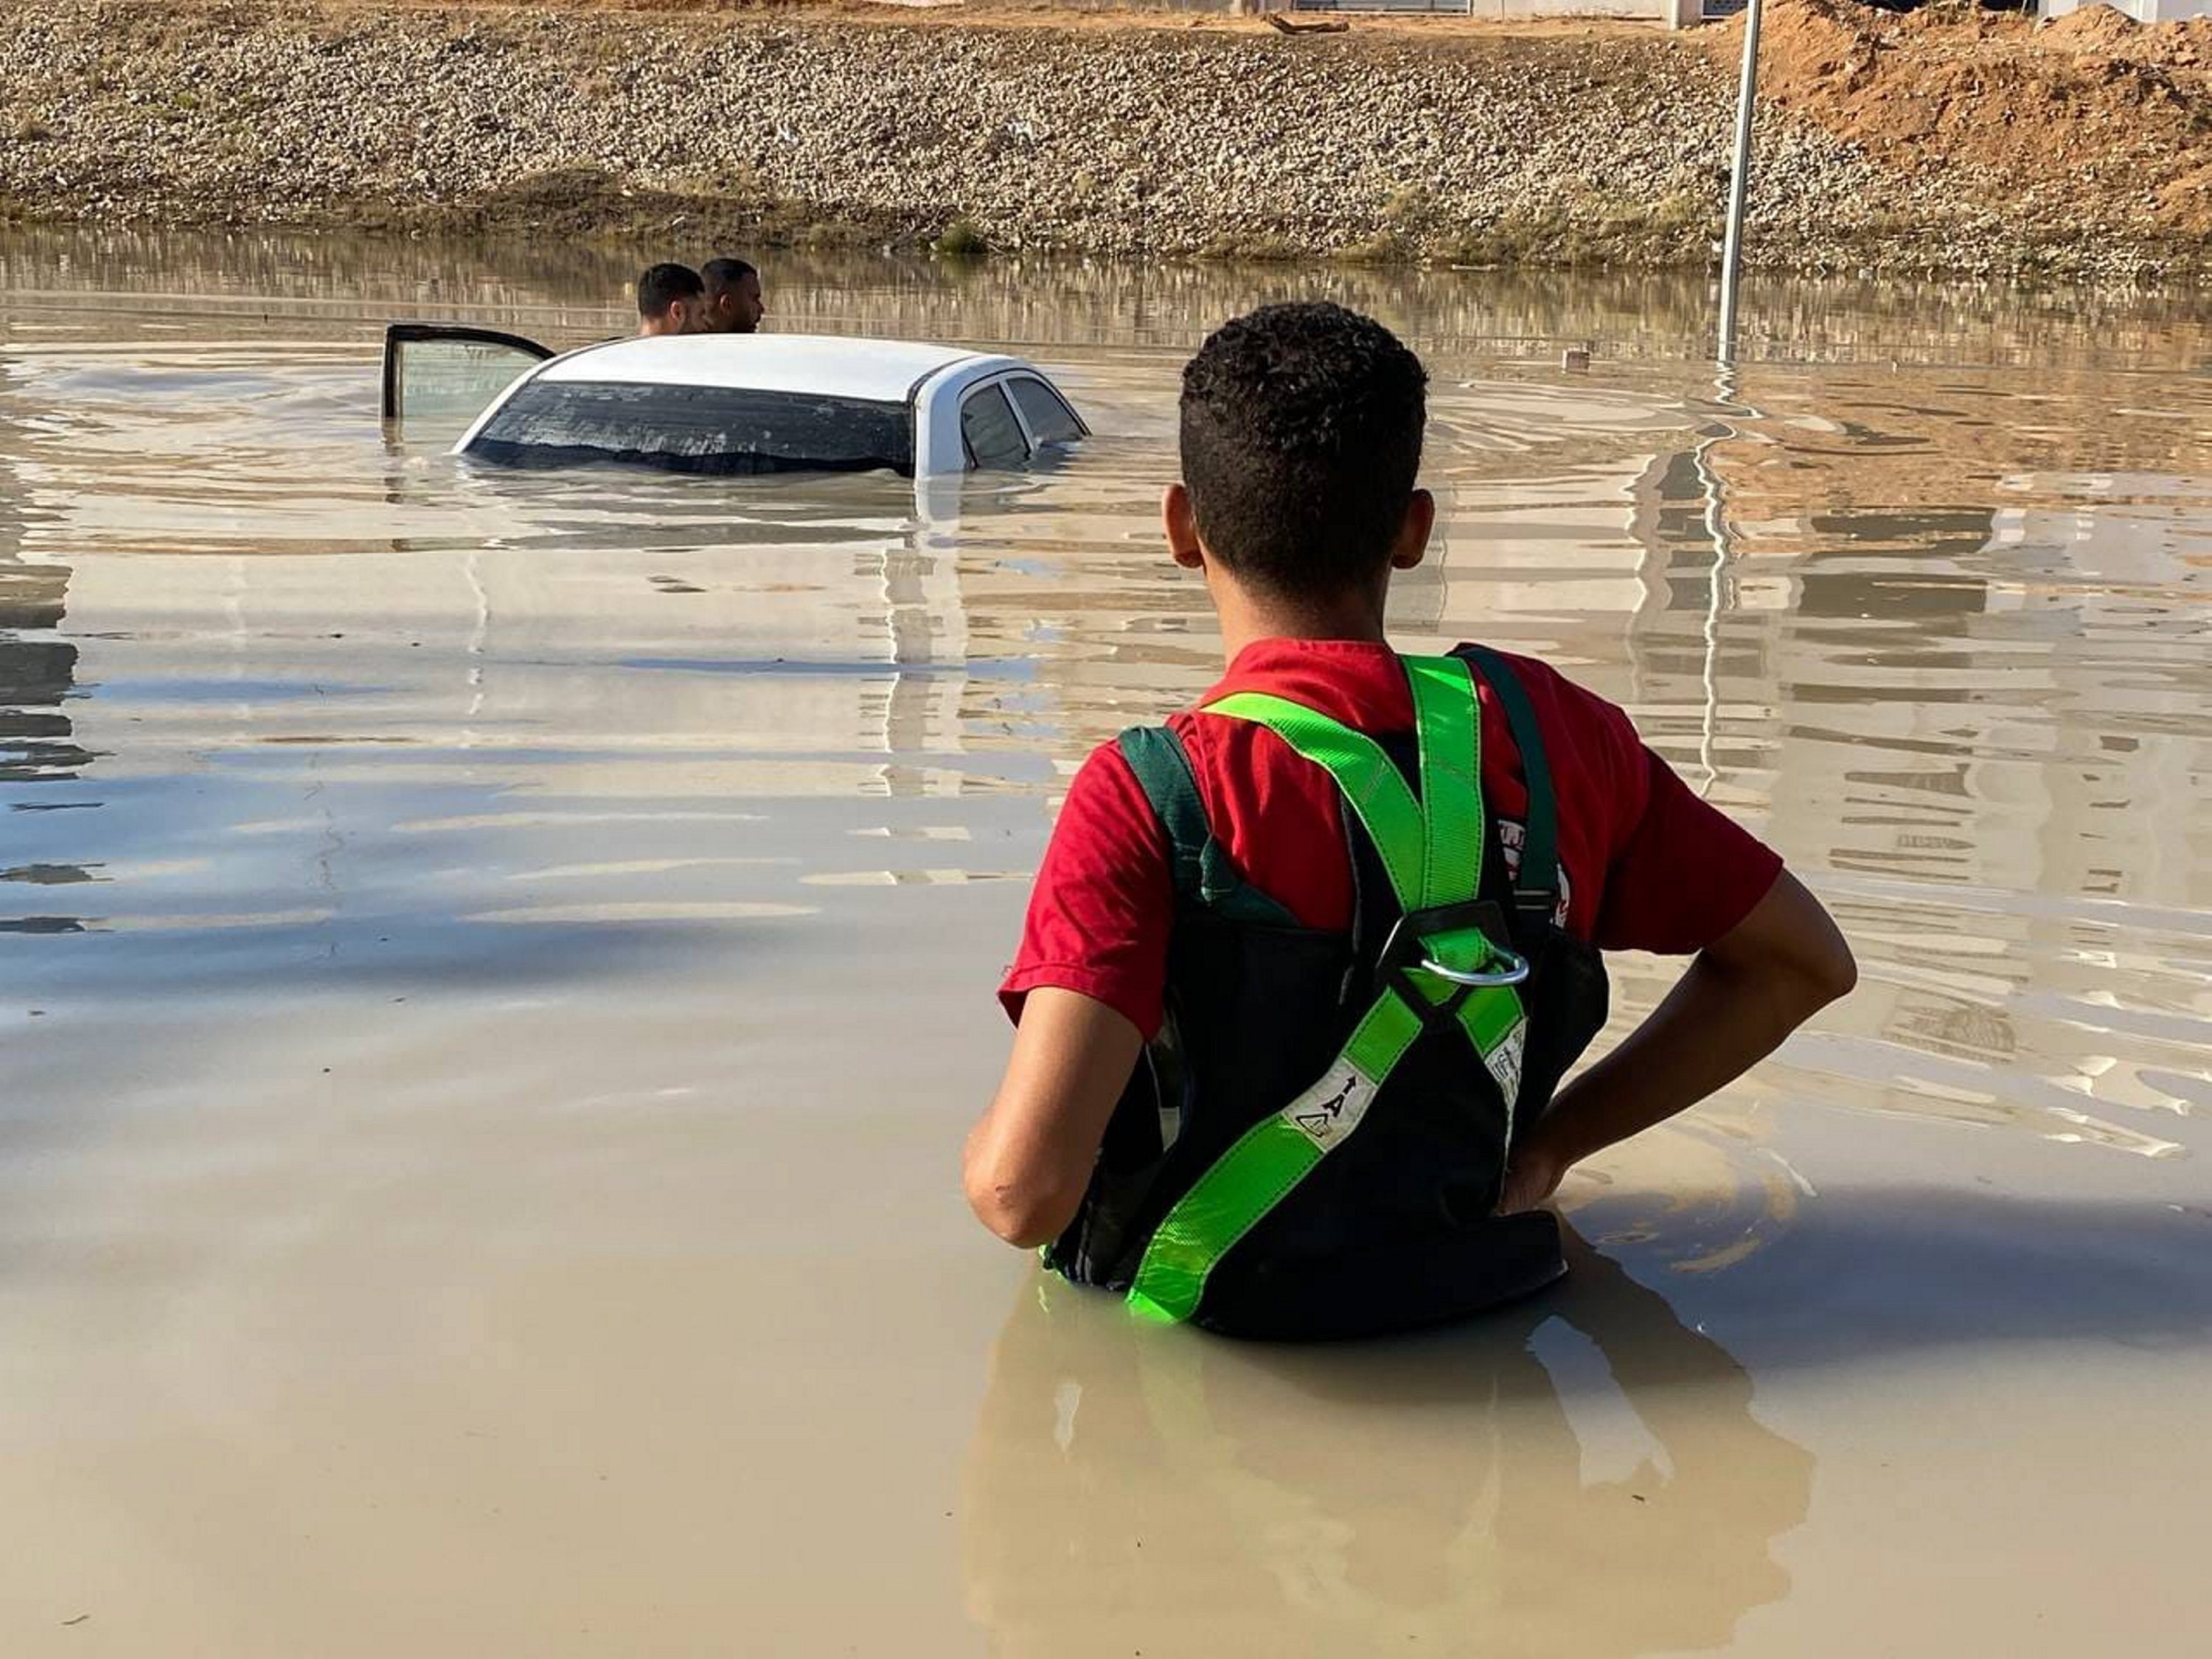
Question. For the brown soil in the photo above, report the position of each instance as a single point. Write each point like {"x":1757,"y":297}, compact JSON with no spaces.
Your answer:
{"x":2054,"y":111}
{"x":2186,"y":43}
{"x":1957,"y":143}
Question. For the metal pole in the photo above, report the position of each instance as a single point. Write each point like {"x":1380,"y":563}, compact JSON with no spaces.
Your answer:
{"x":1739,"y":180}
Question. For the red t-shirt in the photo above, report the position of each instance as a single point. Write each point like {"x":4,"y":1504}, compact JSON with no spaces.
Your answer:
{"x":1647,"y":865}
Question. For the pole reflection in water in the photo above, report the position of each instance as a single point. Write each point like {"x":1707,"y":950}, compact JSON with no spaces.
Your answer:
{"x":1137,"y":1490}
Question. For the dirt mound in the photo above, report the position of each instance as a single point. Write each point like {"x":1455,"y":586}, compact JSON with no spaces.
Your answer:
{"x":2184,"y":43}
{"x":2042,"y":111}
{"x":2100,"y":31}
{"x":2091,"y":28}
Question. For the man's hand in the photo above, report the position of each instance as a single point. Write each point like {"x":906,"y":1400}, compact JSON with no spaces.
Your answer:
{"x":1532,"y":1177}
{"x":1030,"y":1157}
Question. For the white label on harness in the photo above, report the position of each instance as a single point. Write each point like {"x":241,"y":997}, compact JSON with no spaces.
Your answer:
{"x":1332,"y":1109}
{"x":1504,"y":1063}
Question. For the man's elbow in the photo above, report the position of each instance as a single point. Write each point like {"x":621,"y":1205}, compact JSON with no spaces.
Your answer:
{"x":1827,"y":974}
{"x":1790,"y":947}
{"x":1840,"y":976}
{"x":1022,"y":1215}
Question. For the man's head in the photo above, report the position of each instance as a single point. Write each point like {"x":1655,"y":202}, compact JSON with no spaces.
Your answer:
{"x":1300,"y":437}
{"x":733,"y":296}
{"x":669,"y":300}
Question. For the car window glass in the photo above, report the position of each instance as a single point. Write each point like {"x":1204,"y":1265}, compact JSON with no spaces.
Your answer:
{"x":993,"y":437}
{"x":1050,"y":419}
{"x":695,"y":429}
{"x":433,"y":378}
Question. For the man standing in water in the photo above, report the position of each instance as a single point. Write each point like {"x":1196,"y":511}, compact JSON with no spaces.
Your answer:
{"x":669,"y":300}
{"x":733,"y":302}
{"x":1361,"y":898}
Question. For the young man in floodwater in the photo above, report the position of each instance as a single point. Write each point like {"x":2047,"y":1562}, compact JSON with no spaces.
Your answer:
{"x":670,"y":300}
{"x":1302,"y":969}
{"x":733,"y":304}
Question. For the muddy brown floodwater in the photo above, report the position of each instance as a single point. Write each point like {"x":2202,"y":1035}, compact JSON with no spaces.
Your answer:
{"x":494,"y":971}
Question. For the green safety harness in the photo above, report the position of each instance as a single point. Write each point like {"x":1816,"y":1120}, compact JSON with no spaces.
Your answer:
{"x":1445,"y":963}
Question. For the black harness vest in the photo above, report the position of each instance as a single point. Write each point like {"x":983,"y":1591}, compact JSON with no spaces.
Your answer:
{"x":1397,"y":1229}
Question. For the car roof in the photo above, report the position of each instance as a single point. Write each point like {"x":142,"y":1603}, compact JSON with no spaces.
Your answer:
{"x":830,"y":366}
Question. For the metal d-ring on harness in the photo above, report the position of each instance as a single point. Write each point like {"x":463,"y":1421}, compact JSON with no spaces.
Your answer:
{"x":1445,"y":962}
{"x":1516,"y":970}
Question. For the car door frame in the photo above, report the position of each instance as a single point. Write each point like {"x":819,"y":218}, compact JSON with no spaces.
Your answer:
{"x":406,"y":334}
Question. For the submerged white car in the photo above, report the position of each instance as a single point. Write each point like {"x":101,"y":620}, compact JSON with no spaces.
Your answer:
{"x":729,"y":403}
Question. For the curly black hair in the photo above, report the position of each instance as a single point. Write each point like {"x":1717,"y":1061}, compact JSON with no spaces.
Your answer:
{"x":1301,"y":436}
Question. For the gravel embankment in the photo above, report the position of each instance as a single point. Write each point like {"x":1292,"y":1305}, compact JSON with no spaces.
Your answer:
{"x":783,"y":125}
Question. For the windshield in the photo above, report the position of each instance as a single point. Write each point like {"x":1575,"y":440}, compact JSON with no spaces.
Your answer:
{"x":695,"y":428}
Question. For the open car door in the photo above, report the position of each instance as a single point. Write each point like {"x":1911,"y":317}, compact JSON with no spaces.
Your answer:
{"x":441,"y":371}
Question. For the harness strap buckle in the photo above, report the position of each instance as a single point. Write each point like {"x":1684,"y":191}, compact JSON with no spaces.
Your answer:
{"x":1514,"y":970}
{"x":1463,"y":944}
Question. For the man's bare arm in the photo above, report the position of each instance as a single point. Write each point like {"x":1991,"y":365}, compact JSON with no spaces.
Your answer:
{"x":1030,"y":1157}
{"x":1744,"y":993}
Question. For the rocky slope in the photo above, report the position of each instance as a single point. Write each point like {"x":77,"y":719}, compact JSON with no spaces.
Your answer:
{"x":1162,"y":135}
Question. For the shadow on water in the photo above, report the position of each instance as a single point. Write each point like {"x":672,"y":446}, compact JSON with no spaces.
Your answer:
{"x":1436,"y":1488}
{"x":1429,"y":1489}
{"x":1873,"y":1273}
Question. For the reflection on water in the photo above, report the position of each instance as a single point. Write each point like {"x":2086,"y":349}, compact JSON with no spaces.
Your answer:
{"x":569,"y":292}
{"x":1939,"y":633}
{"x":38,"y":667}
{"x":1444,"y":1495}
{"x":37,"y":672}
{"x":424,"y":891}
